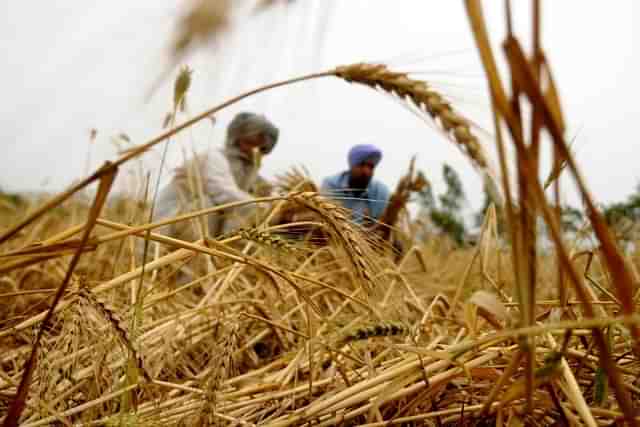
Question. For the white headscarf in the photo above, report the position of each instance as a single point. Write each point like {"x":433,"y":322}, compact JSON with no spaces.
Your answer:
{"x":249,"y":124}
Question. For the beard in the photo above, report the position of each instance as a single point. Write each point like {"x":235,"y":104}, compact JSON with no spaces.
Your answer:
{"x":359,"y":183}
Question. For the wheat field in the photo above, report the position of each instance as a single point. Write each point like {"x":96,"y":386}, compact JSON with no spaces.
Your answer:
{"x":316,"y":320}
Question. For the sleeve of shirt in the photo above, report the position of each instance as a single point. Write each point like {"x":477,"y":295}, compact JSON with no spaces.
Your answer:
{"x":328,"y":187}
{"x":325,"y":186}
{"x":219,"y":183}
{"x":382,"y":195}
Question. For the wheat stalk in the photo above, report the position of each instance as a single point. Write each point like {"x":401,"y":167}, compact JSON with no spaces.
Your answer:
{"x":223,"y":367}
{"x":427,"y":99}
{"x":375,"y":330}
{"x":295,"y":180}
{"x":344,"y":232}
{"x":365,"y":379}
{"x":203,"y":21}
{"x":117,"y":324}
{"x":378,"y":76}
{"x":268,"y":240}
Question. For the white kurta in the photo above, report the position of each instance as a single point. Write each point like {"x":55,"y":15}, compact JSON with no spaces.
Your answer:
{"x":210,"y":175}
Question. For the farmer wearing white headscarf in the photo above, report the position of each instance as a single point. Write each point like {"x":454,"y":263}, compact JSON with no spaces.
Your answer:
{"x":224,"y":175}
{"x":355,"y":188}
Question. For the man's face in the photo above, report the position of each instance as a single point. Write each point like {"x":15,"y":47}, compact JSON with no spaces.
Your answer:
{"x":361,"y":174}
{"x":246,"y":144}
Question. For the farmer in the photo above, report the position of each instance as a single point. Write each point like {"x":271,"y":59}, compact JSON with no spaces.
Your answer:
{"x":221,"y":176}
{"x":355,"y":188}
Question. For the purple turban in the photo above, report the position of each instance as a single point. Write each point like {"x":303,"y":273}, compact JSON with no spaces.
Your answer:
{"x":361,"y":152}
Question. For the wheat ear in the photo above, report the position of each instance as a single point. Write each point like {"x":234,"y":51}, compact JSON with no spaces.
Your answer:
{"x":378,"y":76}
{"x":343,"y":231}
{"x":376,"y":330}
{"x":111,"y":316}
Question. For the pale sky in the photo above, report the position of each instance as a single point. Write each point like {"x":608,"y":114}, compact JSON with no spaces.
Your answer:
{"x":69,"y":66}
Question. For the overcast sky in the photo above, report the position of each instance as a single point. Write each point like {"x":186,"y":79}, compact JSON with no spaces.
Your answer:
{"x":69,"y":66}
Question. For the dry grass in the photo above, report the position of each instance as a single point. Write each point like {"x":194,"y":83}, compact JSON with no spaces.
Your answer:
{"x":265,"y":327}
{"x":241,"y":344}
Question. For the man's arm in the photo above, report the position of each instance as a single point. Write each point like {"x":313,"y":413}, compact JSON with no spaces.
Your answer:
{"x":330,"y":187}
{"x":326,"y":186}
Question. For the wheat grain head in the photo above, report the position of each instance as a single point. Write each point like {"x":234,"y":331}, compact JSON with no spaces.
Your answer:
{"x":378,"y":76}
{"x":355,"y":246}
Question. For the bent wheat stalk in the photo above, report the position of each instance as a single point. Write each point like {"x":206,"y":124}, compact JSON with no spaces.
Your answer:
{"x":455,"y":126}
{"x":342,"y":229}
{"x":372,"y":75}
{"x":424,"y":97}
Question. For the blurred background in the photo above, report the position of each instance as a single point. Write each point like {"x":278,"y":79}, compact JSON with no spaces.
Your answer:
{"x":73,"y":66}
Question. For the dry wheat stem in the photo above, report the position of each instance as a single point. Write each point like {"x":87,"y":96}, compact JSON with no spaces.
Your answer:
{"x":118,"y":325}
{"x":369,"y":74}
{"x":345,"y":234}
{"x":178,"y":342}
{"x":424,"y":97}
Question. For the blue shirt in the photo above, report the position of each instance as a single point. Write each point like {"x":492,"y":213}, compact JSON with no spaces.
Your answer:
{"x":368,"y":203}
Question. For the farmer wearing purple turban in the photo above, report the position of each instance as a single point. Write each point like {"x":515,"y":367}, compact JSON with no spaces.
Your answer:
{"x":355,"y":188}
